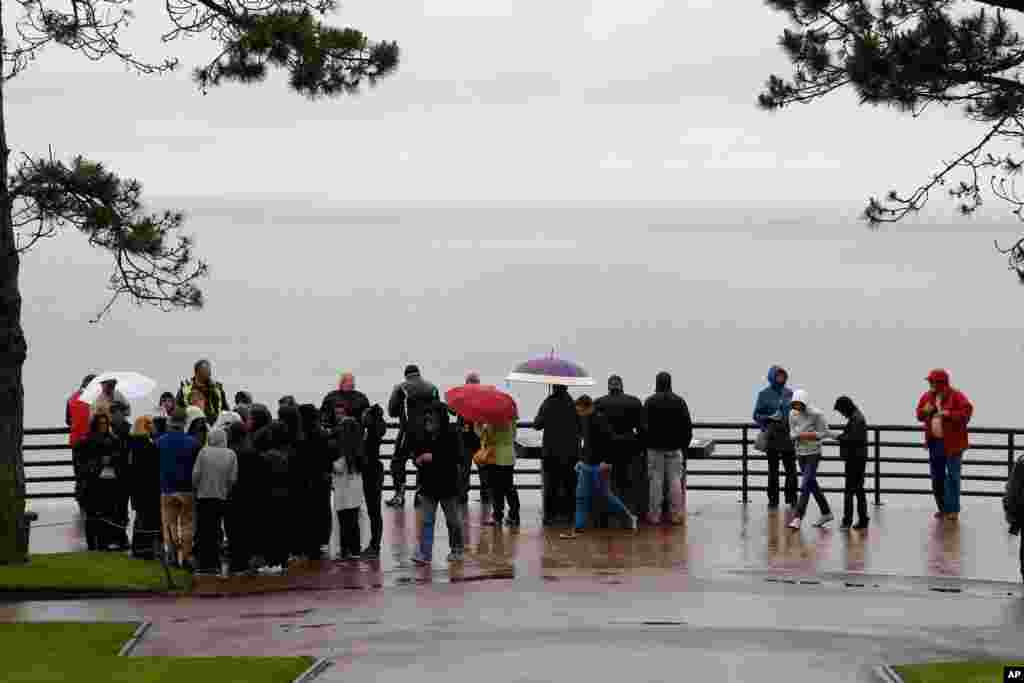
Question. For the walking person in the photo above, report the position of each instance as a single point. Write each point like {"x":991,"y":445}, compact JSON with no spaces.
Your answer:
{"x":669,"y":433}
{"x":144,"y":486}
{"x":348,"y":466}
{"x":437,"y":454}
{"x":1013,"y":504}
{"x":771,"y":413}
{"x":560,"y":450}
{"x":594,"y":469}
{"x":627,"y":419}
{"x":374,"y":429}
{"x":178,"y":451}
{"x":945,"y":413}
{"x":213,"y":477}
{"x":853,"y":449}
{"x":808,"y":428}
{"x":408,"y":403}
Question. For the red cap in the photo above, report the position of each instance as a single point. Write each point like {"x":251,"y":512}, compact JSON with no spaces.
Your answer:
{"x":939,"y":376}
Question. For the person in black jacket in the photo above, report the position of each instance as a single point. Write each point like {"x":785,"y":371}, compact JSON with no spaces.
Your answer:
{"x":246,"y":516}
{"x":669,"y":432}
{"x":594,"y":470}
{"x":278,"y":454}
{"x":409,"y":402}
{"x":436,"y":451}
{"x":318,"y":516}
{"x":853,"y":449}
{"x":560,"y":450}
{"x":354,"y":402}
{"x":374,"y":429}
{"x":104,"y":469}
{"x":144,"y":458}
{"x":470,"y":442}
{"x":627,"y":418}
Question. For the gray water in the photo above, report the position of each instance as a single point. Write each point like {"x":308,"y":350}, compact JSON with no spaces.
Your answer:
{"x":301,"y":290}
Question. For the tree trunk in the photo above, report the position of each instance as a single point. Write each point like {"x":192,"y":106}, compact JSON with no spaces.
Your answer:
{"x":12,"y":358}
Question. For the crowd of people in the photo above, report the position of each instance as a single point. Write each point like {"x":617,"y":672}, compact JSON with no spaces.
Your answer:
{"x":199,"y":472}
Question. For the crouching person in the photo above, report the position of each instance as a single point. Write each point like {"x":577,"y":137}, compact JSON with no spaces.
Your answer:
{"x":437,"y":454}
{"x":213,"y":477}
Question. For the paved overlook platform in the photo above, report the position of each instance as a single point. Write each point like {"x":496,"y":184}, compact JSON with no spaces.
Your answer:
{"x":730,"y":596}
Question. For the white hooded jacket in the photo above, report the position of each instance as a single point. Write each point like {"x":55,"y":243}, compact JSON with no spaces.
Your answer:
{"x":810,"y":420}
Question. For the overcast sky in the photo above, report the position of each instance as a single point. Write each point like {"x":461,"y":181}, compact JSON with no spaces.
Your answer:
{"x":597,"y":99}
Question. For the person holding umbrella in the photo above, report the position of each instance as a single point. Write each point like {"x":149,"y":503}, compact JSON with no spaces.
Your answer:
{"x":560,"y":450}
{"x":108,"y":396}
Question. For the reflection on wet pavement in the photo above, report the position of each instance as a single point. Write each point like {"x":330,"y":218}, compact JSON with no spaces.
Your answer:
{"x":719,"y":536}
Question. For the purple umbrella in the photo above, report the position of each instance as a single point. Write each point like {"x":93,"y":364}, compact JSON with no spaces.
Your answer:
{"x":551,"y":370}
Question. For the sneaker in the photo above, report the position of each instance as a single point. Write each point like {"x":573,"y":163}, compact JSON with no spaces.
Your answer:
{"x":846,"y":525}
{"x":397,"y":501}
{"x":420,"y":561}
{"x":824,"y":520}
{"x":795,"y":524}
{"x":371,"y":553}
{"x":456,"y":556}
{"x":861,"y":525}
{"x":344,"y":556}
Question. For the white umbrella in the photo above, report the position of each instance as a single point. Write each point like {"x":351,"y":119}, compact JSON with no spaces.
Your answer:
{"x":131,"y":385}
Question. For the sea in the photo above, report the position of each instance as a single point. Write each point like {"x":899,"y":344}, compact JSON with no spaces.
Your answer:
{"x":303,"y":288}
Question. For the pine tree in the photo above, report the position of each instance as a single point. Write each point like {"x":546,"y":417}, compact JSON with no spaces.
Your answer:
{"x":910,"y":55}
{"x":152,"y":263}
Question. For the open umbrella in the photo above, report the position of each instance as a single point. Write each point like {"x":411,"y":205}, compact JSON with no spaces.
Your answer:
{"x":552,"y":370}
{"x":482,"y":403}
{"x":132,"y":385}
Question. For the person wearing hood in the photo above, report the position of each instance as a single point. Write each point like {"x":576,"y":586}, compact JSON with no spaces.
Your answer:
{"x":945,"y":412}
{"x":853,"y":449}
{"x":408,"y":404}
{"x":771,"y":413}
{"x":594,"y":469}
{"x":247,"y":507}
{"x":560,"y":450}
{"x":628,"y":420}
{"x":213,"y":477}
{"x":178,"y":451}
{"x":226,"y":419}
{"x":144,"y":488}
{"x":808,"y":428}
{"x":436,"y":452}
{"x":669,"y":433}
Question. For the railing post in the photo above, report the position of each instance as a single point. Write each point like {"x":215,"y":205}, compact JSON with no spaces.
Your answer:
{"x":878,"y":465}
{"x":746,"y":453}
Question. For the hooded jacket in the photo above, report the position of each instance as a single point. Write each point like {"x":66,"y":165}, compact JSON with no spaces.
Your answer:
{"x":557,"y":419}
{"x":178,"y":451}
{"x":774,"y":400}
{"x":216,"y":468}
{"x":853,"y":441}
{"x":957,"y":412}
{"x":669,"y":425}
{"x":439,"y":478}
{"x":810,"y":420}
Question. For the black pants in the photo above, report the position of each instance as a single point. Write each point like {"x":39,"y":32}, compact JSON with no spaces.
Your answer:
{"x":503,"y":488}
{"x":788,"y":459}
{"x":397,"y":468}
{"x":1022,"y":557}
{"x":146,"y":534}
{"x":209,"y":517}
{"x":278,"y":530}
{"x":322,"y":512}
{"x":485,"y":484}
{"x":104,"y":511}
{"x":348,"y":532}
{"x":239,"y":523}
{"x":373,"y":490}
{"x":559,"y":489}
{"x":854,"y":489}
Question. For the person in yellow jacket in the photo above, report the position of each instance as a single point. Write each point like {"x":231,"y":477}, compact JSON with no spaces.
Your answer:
{"x":498,"y":455}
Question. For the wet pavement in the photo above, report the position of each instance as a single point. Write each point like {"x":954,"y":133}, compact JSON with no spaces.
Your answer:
{"x":731,"y":595}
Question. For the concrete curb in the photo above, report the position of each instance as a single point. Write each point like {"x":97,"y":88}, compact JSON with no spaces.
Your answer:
{"x":313,"y":671}
{"x":886,"y":674}
{"x":127,"y":648}
{"x":9,"y":596}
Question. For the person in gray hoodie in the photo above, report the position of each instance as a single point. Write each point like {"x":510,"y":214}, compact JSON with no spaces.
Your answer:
{"x":213,"y":477}
{"x":808,"y":428}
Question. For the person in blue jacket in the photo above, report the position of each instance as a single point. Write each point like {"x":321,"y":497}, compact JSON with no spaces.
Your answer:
{"x":771,"y":413}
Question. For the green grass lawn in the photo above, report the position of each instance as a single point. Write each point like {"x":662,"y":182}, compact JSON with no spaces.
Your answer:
{"x":88,"y":572}
{"x":87,"y":653}
{"x":954,"y":672}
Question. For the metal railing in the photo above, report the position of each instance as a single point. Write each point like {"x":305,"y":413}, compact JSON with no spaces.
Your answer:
{"x":735,"y":453}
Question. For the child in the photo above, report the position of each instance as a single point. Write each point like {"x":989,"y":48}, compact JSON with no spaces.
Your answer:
{"x":347,"y":442}
{"x":437,"y":455}
{"x":807,"y":428}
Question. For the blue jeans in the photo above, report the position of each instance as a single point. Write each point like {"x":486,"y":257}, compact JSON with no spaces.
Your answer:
{"x":945,"y":472}
{"x":452,"y":518}
{"x":589,"y":483}
{"x":809,"y":485}
{"x":945,"y":476}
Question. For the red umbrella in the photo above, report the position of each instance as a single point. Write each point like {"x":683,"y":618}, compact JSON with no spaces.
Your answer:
{"x":482,"y":403}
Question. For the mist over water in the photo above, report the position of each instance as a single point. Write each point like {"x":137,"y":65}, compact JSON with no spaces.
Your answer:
{"x":301,"y":291}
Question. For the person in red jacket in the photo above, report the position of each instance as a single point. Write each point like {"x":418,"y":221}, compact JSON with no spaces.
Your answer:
{"x":945,"y":412}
